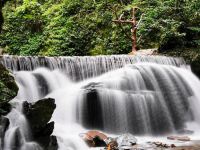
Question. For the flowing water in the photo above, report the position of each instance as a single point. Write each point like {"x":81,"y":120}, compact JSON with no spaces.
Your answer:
{"x":142,"y":95}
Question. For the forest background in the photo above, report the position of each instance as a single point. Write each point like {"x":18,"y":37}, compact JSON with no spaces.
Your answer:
{"x":85,"y":27}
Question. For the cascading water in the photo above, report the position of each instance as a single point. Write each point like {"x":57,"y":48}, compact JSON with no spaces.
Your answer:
{"x":142,"y":95}
{"x":80,"y":68}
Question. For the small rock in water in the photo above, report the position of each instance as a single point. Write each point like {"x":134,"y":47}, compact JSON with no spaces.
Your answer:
{"x":94,"y":138}
{"x":179,"y":138}
{"x":126,"y":141}
{"x":113,"y":145}
{"x":163,"y":145}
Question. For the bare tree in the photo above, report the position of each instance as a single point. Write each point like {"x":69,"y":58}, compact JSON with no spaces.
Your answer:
{"x":133,"y":22}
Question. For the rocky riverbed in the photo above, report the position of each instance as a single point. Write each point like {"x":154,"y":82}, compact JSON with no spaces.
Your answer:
{"x":99,"y":140}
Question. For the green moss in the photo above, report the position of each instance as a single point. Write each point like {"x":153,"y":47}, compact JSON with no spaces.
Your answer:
{"x":8,"y":86}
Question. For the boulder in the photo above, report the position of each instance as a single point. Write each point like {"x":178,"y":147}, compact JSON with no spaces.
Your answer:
{"x":38,"y":115}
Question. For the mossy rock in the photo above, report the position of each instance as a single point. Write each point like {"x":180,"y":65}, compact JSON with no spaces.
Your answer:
{"x":8,"y":90}
{"x":8,"y":86}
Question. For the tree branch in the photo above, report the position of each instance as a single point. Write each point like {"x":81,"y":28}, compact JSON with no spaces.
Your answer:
{"x":120,"y":23}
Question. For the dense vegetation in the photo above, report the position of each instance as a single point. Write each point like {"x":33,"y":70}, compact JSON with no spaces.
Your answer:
{"x":85,"y":27}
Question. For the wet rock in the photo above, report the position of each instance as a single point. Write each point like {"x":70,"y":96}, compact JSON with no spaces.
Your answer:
{"x":38,"y":115}
{"x":92,"y":109}
{"x":94,"y":138}
{"x":16,"y":141}
{"x":195,"y":66}
{"x":93,"y":85}
{"x":163,"y":145}
{"x":98,"y":139}
{"x":126,"y":141}
{"x":53,"y":144}
{"x":5,"y":108}
{"x":4,"y":123}
{"x":179,"y":138}
{"x":113,"y":145}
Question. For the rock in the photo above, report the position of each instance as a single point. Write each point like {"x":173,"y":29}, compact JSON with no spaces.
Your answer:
{"x":8,"y":86}
{"x":126,"y":141}
{"x":8,"y":90}
{"x":163,"y":145}
{"x":4,"y":123}
{"x":17,"y":141}
{"x":179,"y":138}
{"x":113,"y":145}
{"x":195,"y":65}
{"x":38,"y":115}
{"x":172,"y":145}
{"x":53,"y":144}
{"x":94,"y":138}
{"x":5,"y":108}
{"x":92,"y":86}
{"x":147,"y":52}
{"x":91,"y":112}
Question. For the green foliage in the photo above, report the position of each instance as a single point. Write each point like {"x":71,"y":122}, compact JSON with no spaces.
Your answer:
{"x":85,"y":27}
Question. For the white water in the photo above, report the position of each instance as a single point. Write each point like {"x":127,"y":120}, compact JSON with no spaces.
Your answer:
{"x":144,"y":99}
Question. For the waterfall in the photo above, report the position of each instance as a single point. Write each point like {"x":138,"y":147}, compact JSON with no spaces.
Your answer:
{"x":142,"y":95}
{"x":80,"y":68}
